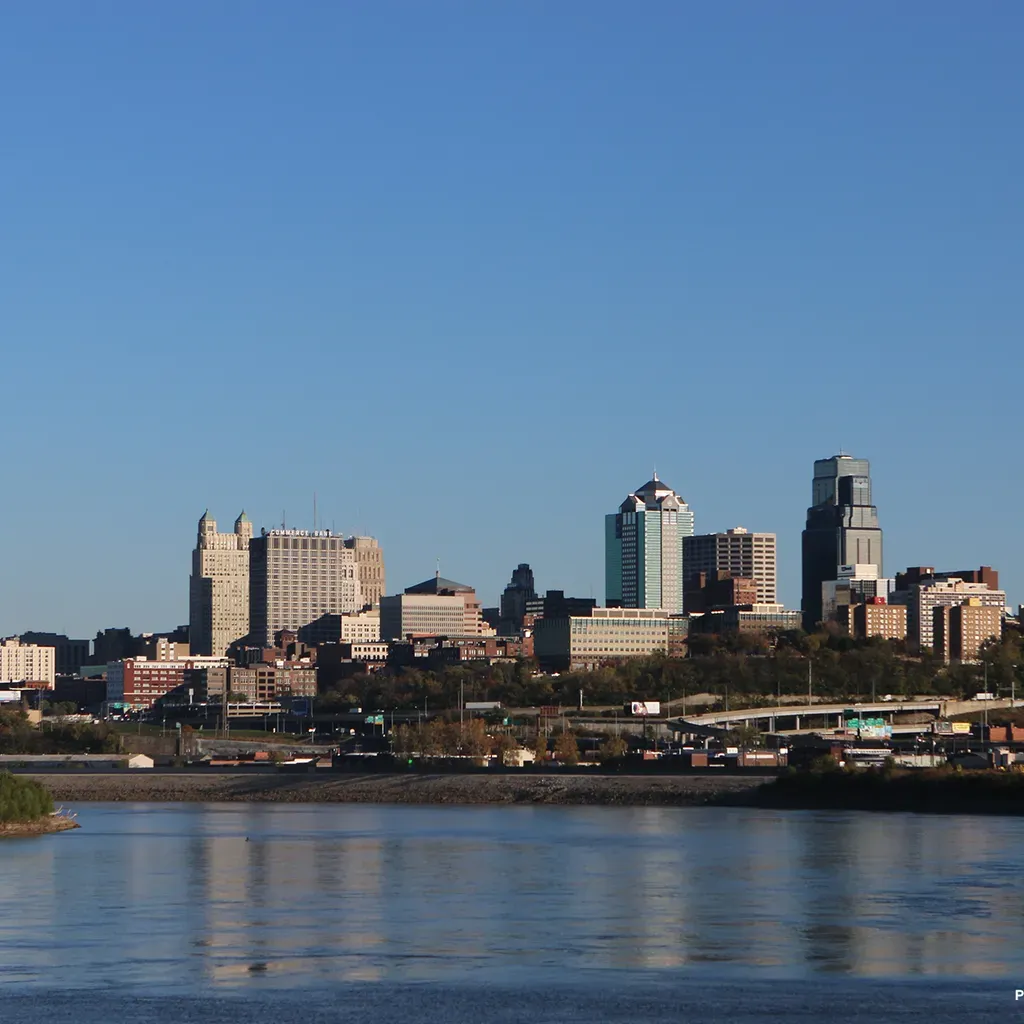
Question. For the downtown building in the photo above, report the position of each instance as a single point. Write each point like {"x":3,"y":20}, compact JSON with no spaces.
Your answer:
{"x":605,"y":636}
{"x":30,"y":664}
{"x":842,"y":529}
{"x":924,"y":595}
{"x":738,"y":553}
{"x":644,"y":549}
{"x":138,"y":683}
{"x":218,"y":593}
{"x":301,"y":578}
{"x":435,"y":607}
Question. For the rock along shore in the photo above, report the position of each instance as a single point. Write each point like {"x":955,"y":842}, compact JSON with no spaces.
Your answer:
{"x":39,"y":827}
{"x":616,"y":790}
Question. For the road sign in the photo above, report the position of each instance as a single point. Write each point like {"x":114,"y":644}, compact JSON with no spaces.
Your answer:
{"x":548,"y":711}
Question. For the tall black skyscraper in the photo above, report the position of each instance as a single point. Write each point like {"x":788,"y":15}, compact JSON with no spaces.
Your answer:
{"x":513,"y":601}
{"x":842,"y":528}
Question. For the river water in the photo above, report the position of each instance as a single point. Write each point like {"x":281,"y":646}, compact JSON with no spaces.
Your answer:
{"x":289,"y":912}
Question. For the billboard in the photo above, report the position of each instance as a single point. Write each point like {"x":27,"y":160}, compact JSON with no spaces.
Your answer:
{"x":942,"y":728}
{"x":961,"y":727}
{"x":870,"y":728}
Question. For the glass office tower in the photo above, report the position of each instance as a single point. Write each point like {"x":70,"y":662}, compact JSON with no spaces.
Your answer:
{"x":644,"y":549}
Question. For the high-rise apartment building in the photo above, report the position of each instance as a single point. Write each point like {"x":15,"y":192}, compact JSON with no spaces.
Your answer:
{"x":923,"y":598}
{"x":644,"y":549}
{"x":959,"y":631}
{"x":842,"y":528}
{"x":218,"y":595}
{"x":298,"y":576}
{"x":738,"y":553}
{"x":27,"y":663}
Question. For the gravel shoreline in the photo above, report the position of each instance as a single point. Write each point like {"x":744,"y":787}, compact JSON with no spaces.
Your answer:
{"x":653,"y":790}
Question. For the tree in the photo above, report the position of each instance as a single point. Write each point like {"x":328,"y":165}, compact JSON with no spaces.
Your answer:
{"x":566,"y":749}
{"x":612,"y":749}
{"x":540,"y":746}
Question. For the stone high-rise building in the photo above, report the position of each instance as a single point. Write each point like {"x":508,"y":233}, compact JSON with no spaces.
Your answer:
{"x":299,"y":576}
{"x":218,"y":605}
{"x":644,"y":549}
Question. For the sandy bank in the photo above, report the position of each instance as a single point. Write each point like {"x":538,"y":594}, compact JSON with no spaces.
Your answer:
{"x":40,"y":827}
{"x":404,"y":789}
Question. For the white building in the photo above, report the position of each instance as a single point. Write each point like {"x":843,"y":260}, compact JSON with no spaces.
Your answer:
{"x":27,"y":663}
{"x":219,"y":587}
{"x":298,"y":576}
{"x":360,"y":627}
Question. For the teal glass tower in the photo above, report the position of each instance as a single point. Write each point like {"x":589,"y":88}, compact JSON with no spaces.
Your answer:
{"x":644,"y":549}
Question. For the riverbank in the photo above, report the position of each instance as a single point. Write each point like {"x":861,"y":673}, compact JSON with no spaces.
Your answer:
{"x":931,"y":791}
{"x":39,"y":827}
{"x":620,"y":790}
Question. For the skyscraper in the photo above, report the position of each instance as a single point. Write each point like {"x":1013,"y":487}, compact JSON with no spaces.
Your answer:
{"x":299,"y":576}
{"x":521,"y":588}
{"x":842,"y":528}
{"x":644,"y":549}
{"x":218,"y":593}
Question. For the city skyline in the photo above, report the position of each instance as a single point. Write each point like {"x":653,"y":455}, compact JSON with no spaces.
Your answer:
{"x":541,"y":222}
{"x":789,"y":568}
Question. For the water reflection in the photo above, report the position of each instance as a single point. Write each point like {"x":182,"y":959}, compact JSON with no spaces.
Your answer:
{"x":241,"y":895}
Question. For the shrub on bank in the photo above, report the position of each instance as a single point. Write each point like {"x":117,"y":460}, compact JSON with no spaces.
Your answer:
{"x":22,"y":799}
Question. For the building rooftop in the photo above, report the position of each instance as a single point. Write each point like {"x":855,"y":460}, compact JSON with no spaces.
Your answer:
{"x":437,"y":584}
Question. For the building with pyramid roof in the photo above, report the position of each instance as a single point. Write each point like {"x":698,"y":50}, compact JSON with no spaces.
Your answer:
{"x":644,"y":549}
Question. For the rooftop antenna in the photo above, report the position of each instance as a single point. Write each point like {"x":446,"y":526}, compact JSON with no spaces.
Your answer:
{"x":314,"y":511}
{"x":283,"y":527}
{"x":437,"y":571}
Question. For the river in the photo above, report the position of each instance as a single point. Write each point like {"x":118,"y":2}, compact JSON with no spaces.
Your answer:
{"x":279,"y":912}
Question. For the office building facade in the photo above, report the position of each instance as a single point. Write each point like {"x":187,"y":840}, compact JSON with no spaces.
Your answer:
{"x":297,"y":577}
{"x":842,"y":528}
{"x":644,"y":549}
{"x":738,"y":553}
{"x":27,"y":663}
{"x":218,"y":595}
{"x":605,"y":636}
{"x":435,"y":607}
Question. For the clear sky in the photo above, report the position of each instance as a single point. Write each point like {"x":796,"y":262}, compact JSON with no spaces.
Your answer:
{"x":469,"y":271}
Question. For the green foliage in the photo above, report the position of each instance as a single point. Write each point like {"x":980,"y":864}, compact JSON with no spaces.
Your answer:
{"x":566,"y":750}
{"x":19,"y":736}
{"x":750,"y":668}
{"x":22,"y":799}
{"x":612,"y":749}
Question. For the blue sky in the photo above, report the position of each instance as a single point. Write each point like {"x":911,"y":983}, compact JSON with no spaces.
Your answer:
{"x":469,"y":271}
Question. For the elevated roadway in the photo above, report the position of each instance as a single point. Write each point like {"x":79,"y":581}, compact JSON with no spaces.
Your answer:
{"x":798,"y":718}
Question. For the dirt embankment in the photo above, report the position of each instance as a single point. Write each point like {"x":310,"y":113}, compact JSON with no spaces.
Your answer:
{"x":675,"y":790}
{"x":39,"y":827}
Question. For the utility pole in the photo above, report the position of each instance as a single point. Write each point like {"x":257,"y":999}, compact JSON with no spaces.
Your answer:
{"x":462,"y":705}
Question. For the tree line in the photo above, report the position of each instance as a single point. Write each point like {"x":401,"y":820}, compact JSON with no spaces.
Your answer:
{"x":739,"y":668}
